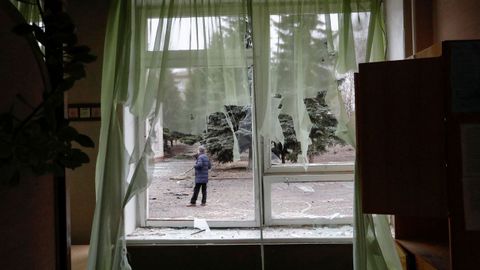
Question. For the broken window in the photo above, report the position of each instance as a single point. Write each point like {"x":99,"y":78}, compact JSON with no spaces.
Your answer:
{"x":207,"y":92}
{"x":135,"y":67}
{"x":203,"y":68}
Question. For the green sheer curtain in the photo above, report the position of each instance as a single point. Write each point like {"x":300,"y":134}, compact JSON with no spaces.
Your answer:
{"x":374,"y":247}
{"x":146,"y":42}
{"x":306,"y":47}
{"x":300,"y":48}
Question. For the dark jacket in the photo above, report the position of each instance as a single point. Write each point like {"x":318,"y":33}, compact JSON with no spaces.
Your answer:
{"x":201,"y":169}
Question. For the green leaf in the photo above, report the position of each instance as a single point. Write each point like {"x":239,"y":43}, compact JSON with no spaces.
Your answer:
{"x":39,"y":169}
{"x":55,"y":169}
{"x":73,"y":66}
{"x":85,"y":57}
{"x":59,"y":23}
{"x":80,"y":156}
{"x":76,"y":73}
{"x":64,"y":38}
{"x":75,"y":158}
{"x":43,"y":144}
{"x":6,"y":150}
{"x":68,"y":133}
{"x":7,"y":171}
{"x":84,"y":141}
{"x":6,"y":123}
{"x":50,"y":117}
{"x":66,"y":84}
{"x":77,"y":50}
{"x":23,"y":29}
{"x":15,"y":178}
{"x":39,"y":34}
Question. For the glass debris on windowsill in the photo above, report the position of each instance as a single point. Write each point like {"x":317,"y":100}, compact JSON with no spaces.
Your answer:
{"x":299,"y":234}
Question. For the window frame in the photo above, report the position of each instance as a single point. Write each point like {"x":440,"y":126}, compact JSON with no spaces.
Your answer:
{"x":346,"y":167}
{"x":182,"y":59}
{"x":315,"y":172}
{"x":313,"y":178}
{"x":264,"y":174}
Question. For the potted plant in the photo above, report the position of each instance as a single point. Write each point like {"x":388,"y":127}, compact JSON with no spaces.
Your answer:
{"x":41,"y":142}
{"x":36,"y":141}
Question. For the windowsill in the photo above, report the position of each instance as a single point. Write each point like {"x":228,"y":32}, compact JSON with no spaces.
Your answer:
{"x":271,"y":235}
{"x":314,"y":168}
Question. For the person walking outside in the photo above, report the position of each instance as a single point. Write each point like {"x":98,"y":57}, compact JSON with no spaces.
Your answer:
{"x":202,"y":165}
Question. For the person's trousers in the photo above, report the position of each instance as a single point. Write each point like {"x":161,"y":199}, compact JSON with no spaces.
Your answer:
{"x":196,"y":189}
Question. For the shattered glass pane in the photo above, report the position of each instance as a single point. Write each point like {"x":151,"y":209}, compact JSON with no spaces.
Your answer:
{"x":327,"y":200}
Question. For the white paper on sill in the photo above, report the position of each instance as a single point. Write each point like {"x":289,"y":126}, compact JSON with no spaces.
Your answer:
{"x":307,"y":189}
{"x":333,"y":216}
{"x":201,"y":224}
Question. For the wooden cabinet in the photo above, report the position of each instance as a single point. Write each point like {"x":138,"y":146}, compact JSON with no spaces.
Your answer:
{"x":418,"y":149}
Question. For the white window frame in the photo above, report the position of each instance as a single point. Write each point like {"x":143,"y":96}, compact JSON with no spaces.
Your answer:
{"x":346,"y":167}
{"x":313,"y":178}
{"x":135,"y":216}
{"x":182,"y":59}
{"x":315,"y":172}
{"x":264,"y":174}
{"x":292,"y":173}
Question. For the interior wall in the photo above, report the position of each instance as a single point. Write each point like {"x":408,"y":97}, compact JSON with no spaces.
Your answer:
{"x":394,"y":22}
{"x":220,"y":257}
{"x":439,"y":20}
{"x":423,"y":16}
{"x":90,"y":17}
{"x":418,"y":25}
{"x":456,"y":20}
{"x":27,"y":228}
{"x":27,"y":225}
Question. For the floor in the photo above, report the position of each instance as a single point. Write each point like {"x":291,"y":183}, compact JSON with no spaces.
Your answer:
{"x":79,"y":257}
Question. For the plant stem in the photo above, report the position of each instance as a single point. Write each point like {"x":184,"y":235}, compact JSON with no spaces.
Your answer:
{"x":34,"y":112}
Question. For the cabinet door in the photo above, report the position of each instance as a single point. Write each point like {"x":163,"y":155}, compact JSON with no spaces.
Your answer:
{"x":463,"y":151}
{"x":401,"y":137}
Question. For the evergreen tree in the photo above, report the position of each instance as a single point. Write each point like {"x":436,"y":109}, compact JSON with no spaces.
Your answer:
{"x":290,"y":148}
{"x":322,"y":133}
{"x":175,"y":113}
{"x":206,"y":94}
{"x":174,"y":108}
{"x":196,"y":100}
{"x":244,"y":133}
{"x":296,"y":34}
{"x":218,"y":137}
